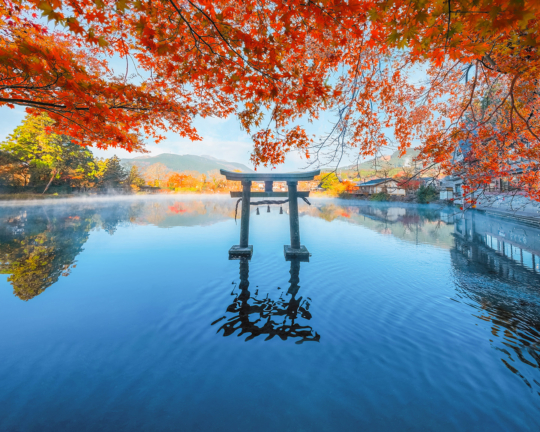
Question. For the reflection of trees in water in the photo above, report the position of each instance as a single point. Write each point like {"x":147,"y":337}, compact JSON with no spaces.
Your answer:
{"x":185,"y":212}
{"x":265,"y":316}
{"x":39,"y":245}
{"x":503,"y":290}
{"x":37,"y":261}
{"x":412,"y":224}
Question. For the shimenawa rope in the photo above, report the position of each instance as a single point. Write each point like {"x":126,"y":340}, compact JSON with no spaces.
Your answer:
{"x":266,"y":202}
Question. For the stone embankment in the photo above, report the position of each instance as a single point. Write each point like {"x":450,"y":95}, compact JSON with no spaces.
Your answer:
{"x":514,"y":205}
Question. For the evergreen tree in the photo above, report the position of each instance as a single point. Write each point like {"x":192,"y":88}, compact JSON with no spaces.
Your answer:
{"x":134,"y":177}
{"x":114,"y":174}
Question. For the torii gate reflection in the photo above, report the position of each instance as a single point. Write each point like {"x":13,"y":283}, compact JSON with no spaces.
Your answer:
{"x":295,"y":249}
{"x":261,"y":316}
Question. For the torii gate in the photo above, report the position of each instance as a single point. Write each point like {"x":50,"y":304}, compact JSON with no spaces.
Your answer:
{"x":295,"y":249}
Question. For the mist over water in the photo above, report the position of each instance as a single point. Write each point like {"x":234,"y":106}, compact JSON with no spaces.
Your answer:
{"x":125,"y":314}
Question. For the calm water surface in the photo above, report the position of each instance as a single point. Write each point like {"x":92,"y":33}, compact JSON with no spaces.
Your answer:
{"x":126,"y":315}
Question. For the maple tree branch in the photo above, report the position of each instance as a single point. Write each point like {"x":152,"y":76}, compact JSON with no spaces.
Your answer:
{"x":26,"y":87}
{"x":195,"y":35}
{"x":510,"y":92}
{"x":224,"y":39}
{"x":522,"y":118}
{"x":27,"y":102}
{"x":31,"y":103}
{"x":472,"y":96}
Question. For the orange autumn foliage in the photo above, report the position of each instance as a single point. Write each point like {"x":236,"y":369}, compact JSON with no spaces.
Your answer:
{"x":274,"y":62}
{"x":177,"y":180}
{"x":56,"y":72}
{"x":349,"y":186}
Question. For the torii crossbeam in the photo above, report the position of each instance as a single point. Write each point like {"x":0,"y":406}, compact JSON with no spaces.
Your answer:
{"x":295,"y":249}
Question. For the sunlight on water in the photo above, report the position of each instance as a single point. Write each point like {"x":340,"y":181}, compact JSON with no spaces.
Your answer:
{"x":126,"y":314}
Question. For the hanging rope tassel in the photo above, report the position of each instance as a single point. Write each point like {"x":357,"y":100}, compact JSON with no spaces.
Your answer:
{"x":265,"y":202}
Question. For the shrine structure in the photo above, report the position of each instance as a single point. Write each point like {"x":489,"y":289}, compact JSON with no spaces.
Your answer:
{"x":295,"y":249}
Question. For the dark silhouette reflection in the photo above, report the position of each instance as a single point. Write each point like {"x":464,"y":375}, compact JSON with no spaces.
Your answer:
{"x":496,"y":265}
{"x":258,"y":316}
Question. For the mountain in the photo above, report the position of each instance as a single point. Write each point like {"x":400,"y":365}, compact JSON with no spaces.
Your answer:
{"x":179,"y":163}
{"x":393,"y":159}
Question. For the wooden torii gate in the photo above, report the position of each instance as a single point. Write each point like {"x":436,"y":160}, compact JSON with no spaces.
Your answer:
{"x":295,"y":249}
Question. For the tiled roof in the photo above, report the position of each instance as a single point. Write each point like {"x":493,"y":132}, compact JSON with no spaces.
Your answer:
{"x":374,"y":182}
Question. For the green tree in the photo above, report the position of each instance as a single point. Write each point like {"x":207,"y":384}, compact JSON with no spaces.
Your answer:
{"x":45,"y":156}
{"x":134,"y":177}
{"x":114,"y":174}
{"x":328,"y":180}
{"x":426,"y":194}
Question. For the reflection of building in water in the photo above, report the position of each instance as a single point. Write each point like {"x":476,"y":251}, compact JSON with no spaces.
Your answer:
{"x":432,"y":226}
{"x":263,"y":316}
{"x":499,"y":244}
{"x":495,"y":264}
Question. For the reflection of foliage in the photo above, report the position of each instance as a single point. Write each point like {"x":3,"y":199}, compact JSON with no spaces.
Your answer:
{"x":431,"y":215}
{"x":408,"y":223}
{"x":36,"y":264}
{"x":37,"y":248}
{"x":37,"y":261}
{"x":326,"y":212}
{"x":112,"y":217}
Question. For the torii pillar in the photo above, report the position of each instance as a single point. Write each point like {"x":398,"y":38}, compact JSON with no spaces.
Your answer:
{"x":295,"y":249}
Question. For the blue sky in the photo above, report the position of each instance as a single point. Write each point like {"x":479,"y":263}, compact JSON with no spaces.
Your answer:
{"x":222,"y":139}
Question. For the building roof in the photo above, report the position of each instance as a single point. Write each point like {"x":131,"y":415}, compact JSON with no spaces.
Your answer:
{"x":374,"y":182}
{"x":297,"y":176}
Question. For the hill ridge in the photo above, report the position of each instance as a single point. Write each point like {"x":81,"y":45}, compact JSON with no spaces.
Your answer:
{"x":180,"y":163}
{"x":392,"y":159}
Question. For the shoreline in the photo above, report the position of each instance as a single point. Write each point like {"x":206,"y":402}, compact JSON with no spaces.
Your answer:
{"x":8,"y":200}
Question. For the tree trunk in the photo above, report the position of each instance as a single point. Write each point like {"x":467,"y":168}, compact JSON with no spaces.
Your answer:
{"x":50,"y":181}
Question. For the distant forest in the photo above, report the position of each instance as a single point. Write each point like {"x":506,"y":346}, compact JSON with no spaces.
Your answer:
{"x":34,"y":160}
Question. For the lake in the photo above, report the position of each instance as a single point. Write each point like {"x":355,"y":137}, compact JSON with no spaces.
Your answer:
{"x":126,"y":314}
